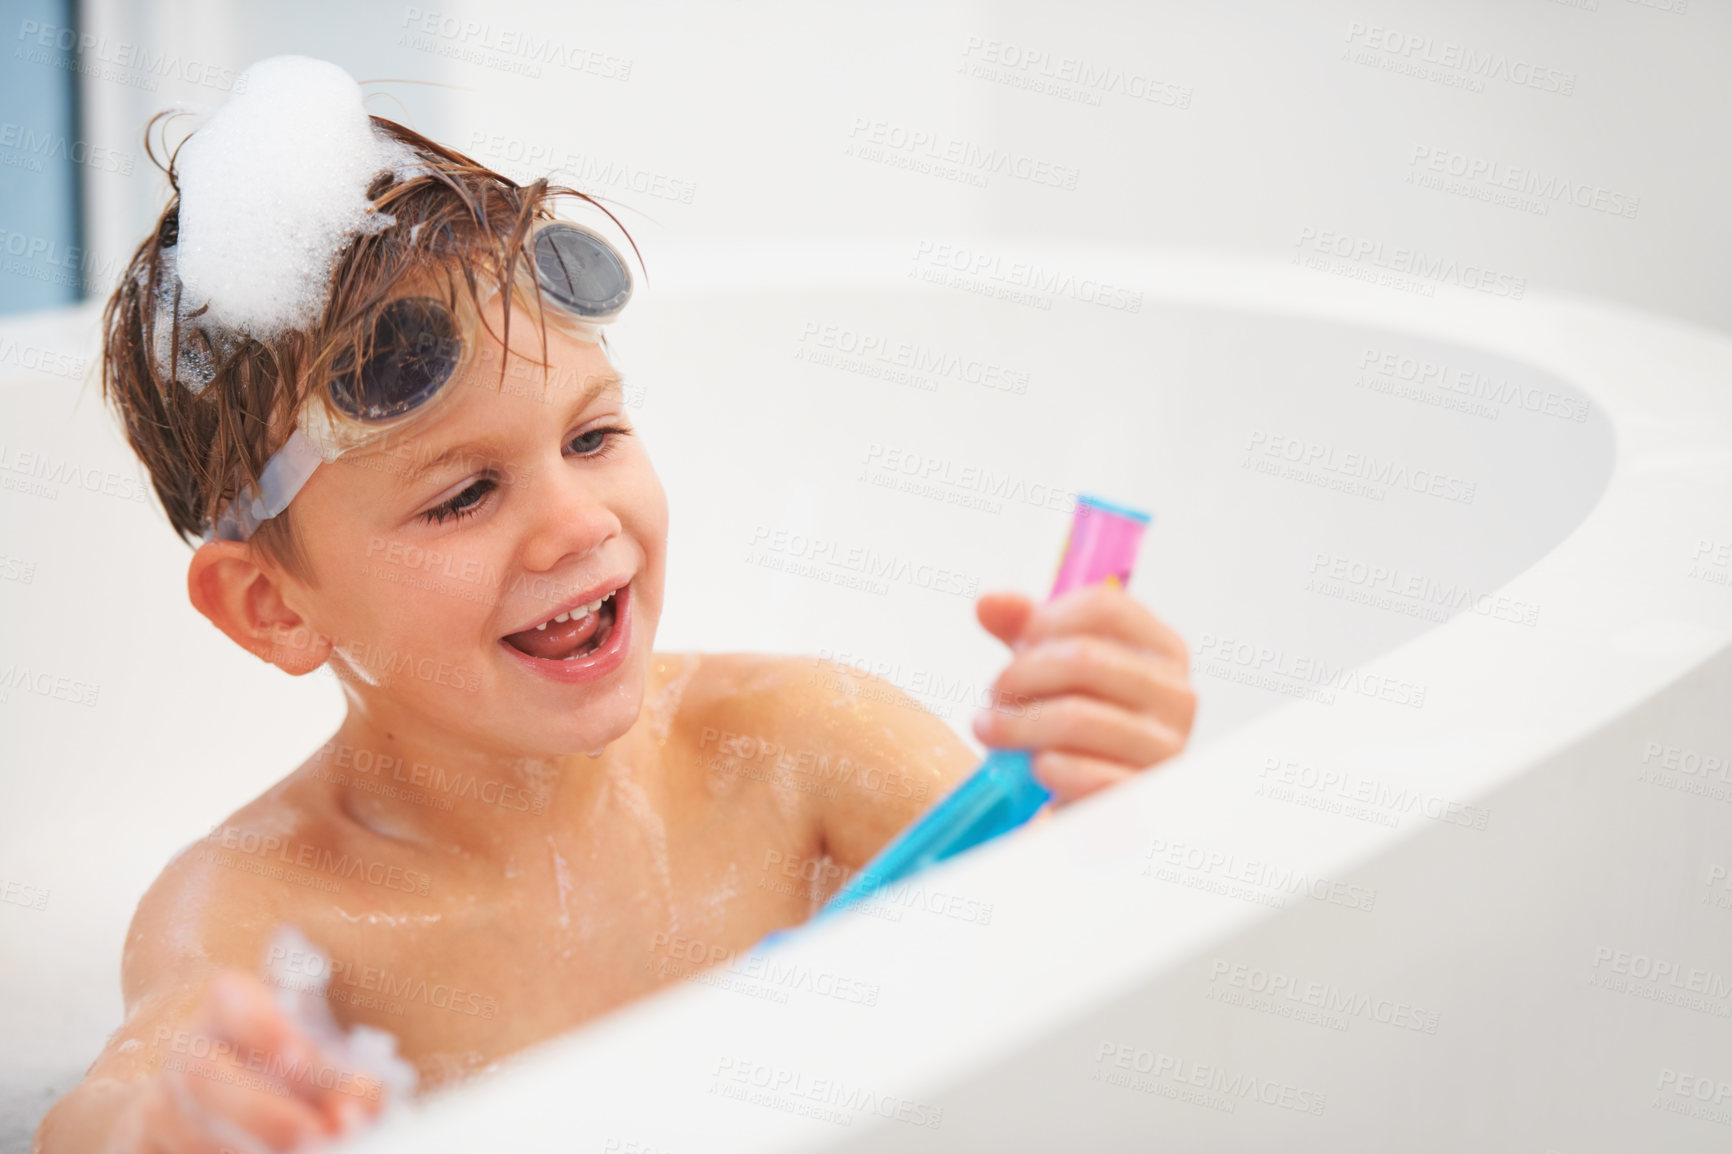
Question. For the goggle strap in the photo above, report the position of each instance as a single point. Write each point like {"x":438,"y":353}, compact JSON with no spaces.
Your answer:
{"x":283,"y":476}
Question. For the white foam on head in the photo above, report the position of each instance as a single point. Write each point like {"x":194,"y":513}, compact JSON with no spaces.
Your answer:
{"x":273,"y":187}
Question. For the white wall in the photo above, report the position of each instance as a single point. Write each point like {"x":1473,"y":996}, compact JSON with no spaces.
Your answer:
{"x":1255,"y":123}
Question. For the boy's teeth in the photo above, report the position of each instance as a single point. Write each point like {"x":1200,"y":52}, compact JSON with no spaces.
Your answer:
{"x":577,"y":614}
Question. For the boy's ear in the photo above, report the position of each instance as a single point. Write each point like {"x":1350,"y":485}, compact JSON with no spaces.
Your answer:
{"x":245,"y":601}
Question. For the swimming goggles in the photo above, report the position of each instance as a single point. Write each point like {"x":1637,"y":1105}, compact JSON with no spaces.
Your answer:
{"x":416,"y":348}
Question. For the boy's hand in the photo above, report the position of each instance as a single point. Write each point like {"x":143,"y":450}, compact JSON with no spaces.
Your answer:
{"x":1097,"y":690}
{"x":245,"y":1077}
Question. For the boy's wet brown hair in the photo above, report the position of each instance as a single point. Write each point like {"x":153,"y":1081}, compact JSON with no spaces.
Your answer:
{"x":458,"y":224}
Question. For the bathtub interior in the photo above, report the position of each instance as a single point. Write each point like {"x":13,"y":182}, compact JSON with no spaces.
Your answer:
{"x":1165,"y":409}
{"x":771,"y":431}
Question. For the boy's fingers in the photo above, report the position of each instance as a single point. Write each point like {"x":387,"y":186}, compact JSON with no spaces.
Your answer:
{"x":1004,"y":615}
{"x":1105,"y":610}
{"x":1068,"y":776}
{"x":182,"y":1124}
{"x":240,"y":1009}
{"x":1100,"y":668}
{"x":1085,"y":725}
{"x":170,"y":1121}
{"x":267,"y":1110}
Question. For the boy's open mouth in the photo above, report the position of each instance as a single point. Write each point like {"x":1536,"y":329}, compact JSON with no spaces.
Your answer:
{"x":569,"y":635}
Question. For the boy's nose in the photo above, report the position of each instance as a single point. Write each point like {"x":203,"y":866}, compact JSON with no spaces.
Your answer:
{"x":568,"y":518}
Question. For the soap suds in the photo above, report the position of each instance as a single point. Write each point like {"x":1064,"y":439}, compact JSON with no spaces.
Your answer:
{"x":666,"y":703}
{"x":815,"y":889}
{"x":449,"y":1067}
{"x":272,"y":188}
{"x":300,"y":971}
{"x":715,"y":906}
{"x":375,"y":918}
{"x":636,"y":803}
{"x":562,"y":879}
{"x":539,"y":779}
{"x":357,"y":670}
{"x":722,"y":775}
{"x":785,"y":792}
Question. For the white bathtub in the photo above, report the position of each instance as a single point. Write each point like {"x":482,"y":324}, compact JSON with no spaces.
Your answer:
{"x":1455,"y":924}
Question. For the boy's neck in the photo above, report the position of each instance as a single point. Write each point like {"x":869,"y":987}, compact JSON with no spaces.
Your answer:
{"x":435,"y":791}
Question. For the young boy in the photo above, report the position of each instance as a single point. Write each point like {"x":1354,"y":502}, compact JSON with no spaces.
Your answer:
{"x":524,"y":798}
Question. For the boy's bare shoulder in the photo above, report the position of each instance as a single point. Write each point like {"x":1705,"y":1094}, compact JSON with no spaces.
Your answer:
{"x":219,"y":900}
{"x":877,"y":757}
{"x":816,"y":699}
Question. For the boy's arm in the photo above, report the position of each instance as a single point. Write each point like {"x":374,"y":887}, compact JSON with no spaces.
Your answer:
{"x":890,"y":757}
{"x":198,"y":1018}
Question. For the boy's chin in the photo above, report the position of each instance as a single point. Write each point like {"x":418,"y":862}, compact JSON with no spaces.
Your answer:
{"x":588,"y":730}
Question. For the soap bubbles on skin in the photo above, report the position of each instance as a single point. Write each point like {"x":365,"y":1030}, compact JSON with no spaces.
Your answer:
{"x":273,"y":187}
{"x":301,"y":971}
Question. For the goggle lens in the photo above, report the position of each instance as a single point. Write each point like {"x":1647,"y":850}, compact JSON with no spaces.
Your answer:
{"x":416,"y":348}
{"x":416,"y":345}
{"x":580,"y":272}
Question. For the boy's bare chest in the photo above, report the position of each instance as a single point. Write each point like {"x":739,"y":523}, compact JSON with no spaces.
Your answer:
{"x":575,"y":923}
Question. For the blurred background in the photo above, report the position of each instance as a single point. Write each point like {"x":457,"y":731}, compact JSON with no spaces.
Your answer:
{"x":1579,"y":144}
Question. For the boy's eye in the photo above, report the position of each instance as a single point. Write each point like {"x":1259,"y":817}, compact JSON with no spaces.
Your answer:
{"x":595,"y":442}
{"x":462,"y":505}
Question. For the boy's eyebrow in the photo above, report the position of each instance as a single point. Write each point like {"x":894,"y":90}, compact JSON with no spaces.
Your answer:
{"x":600,"y":383}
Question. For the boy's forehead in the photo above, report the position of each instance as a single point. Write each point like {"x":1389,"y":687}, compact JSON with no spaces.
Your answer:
{"x":545,"y":364}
